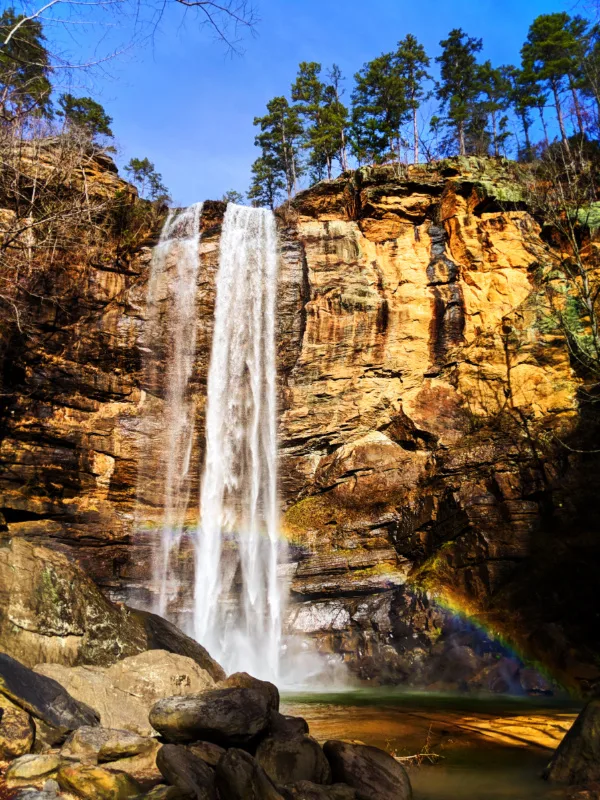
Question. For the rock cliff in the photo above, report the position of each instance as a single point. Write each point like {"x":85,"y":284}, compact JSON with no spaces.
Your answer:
{"x":428,"y":428}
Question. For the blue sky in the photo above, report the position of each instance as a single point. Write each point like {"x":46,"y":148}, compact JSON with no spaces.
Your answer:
{"x":189,"y":107}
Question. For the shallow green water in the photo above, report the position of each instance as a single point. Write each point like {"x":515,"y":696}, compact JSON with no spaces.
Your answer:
{"x":491,"y":748}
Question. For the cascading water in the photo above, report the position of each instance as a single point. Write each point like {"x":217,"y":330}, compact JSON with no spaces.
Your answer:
{"x":173,"y":281}
{"x":237,"y":607}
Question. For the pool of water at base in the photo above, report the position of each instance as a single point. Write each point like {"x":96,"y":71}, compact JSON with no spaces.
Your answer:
{"x":487,"y":747}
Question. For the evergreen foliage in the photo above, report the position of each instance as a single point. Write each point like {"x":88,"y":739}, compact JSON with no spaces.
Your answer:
{"x":86,"y":114}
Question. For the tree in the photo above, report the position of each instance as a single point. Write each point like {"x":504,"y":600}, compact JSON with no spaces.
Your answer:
{"x":525,"y":93}
{"x":24,"y":67}
{"x":324,"y":117}
{"x":86,"y":114}
{"x":413,"y":64}
{"x":148,"y":181}
{"x":279,"y":140}
{"x":233,"y":196}
{"x":551,"y":55}
{"x":379,"y":108}
{"x":495,"y":88}
{"x":460,"y":85}
{"x":267,"y":182}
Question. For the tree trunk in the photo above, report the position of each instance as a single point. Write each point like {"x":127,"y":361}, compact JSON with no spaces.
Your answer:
{"x":578,"y":114}
{"x":559,"y":116}
{"x":525,"y":125}
{"x":415,"y":135}
{"x":544,"y":126}
{"x":461,"y":139}
{"x":495,"y":134}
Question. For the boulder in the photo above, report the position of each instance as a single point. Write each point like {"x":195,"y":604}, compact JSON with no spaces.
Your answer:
{"x":16,"y":730}
{"x":282,"y":726}
{"x":373,"y":773}
{"x":97,"y":783}
{"x":577,"y":758}
{"x":43,"y":698}
{"x":305,"y":790}
{"x":291,"y":760}
{"x":163,"y":635}
{"x":207,"y":751}
{"x":49,"y":791}
{"x":240,"y":777}
{"x":32,"y":769}
{"x":188,"y":773}
{"x":98,"y":745}
{"x":244,"y":680}
{"x":51,"y":612}
{"x":124,"y":693}
{"x":228,"y":717}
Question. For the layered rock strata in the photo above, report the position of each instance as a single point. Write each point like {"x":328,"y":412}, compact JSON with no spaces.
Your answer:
{"x":424,"y":403}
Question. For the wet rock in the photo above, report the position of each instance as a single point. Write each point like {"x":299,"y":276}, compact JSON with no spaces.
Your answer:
{"x":163,"y":635}
{"x":305,"y":790}
{"x":97,"y":783}
{"x":43,"y":698}
{"x":240,"y":777}
{"x":533,"y":683}
{"x":49,"y":791}
{"x":373,"y":773}
{"x":124,"y":693}
{"x":282,"y":726}
{"x":207,"y":751}
{"x":97,"y":745}
{"x":229,"y":717}
{"x":32,"y":769}
{"x":244,"y":680}
{"x":577,"y":758}
{"x":16,"y":730}
{"x":291,"y":760}
{"x":187,"y":772}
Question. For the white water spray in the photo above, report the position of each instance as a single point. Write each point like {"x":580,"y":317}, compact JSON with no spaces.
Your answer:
{"x":173,"y":278}
{"x":237,"y":607}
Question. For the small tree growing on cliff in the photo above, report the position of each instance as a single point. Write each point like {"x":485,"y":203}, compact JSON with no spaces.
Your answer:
{"x":148,"y":181}
{"x":86,"y":114}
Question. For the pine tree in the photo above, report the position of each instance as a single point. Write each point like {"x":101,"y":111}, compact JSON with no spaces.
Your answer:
{"x":460,"y":86}
{"x":323,"y":115}
{"x":413,"y":64}
{"x":85,"y":114}
{"x":495,"y":88}
{"x":525,"y":94}
{"x":267,"y":183}
{"x":551,"y":55}
{"x":24,"y":67}
{"x":148,"y":181}
{"x":379,"y":108}
{"x":279,"y":140}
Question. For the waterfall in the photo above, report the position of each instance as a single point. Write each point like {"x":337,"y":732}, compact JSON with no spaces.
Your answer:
{"x":171,"y":338}
{"x":237,"y":606}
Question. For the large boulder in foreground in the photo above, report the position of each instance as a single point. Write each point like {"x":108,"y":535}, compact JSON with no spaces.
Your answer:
{"x":52,"y":613}
{"x":188,"y":773}
{"x":44,"y":699}
{"x":373,"y":773}
{"x":240,"y":777}
{"x":577,"y":758}
{"x":290,"y":760}
{"x":228,"y":717}
{"x":124,"y":693}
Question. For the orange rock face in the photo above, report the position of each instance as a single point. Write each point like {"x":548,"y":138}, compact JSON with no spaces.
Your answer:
{"x":421,"y":401}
